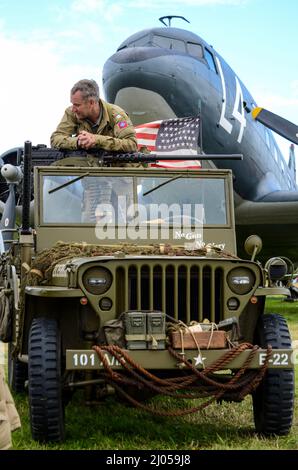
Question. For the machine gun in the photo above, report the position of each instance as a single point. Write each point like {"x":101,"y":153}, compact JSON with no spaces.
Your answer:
{"x":41,"y":155}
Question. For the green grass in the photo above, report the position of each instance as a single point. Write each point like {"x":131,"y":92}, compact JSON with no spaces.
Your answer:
{"x":288,"y":309}
{"x":111,"y":425}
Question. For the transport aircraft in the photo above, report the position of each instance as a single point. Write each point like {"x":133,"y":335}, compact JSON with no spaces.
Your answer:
{"x":166,"y":72}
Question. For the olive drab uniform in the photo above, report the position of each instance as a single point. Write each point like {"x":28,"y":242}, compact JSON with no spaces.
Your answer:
{"x":9,"y":418}
{"x":114,"y":131}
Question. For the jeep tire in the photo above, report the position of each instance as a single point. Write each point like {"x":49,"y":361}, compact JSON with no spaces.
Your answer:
{"x":273,"y":400}
{"x":45,"y":391}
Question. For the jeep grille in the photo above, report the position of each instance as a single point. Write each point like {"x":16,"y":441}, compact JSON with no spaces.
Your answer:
{"x":182,"y":290}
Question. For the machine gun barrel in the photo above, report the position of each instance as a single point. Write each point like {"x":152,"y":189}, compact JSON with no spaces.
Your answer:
{"x":151,"y":158}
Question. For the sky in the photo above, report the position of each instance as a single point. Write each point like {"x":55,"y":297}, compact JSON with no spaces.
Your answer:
{"x":48,"y":45}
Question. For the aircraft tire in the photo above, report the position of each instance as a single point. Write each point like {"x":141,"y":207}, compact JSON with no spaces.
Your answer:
{"x":273,"y":400}
{"x":17,"y":373}
{"x":45,"y":385}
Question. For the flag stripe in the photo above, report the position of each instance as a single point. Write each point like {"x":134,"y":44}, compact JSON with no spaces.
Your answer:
{"x":150,"y":125}
{"x":194,"y":164}
{"x":143,"y":135}
{"x":152,"y":148}
{"x":148,"y":143}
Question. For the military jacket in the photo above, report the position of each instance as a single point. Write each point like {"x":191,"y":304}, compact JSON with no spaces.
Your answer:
{"x":115,"y":131}
{"x":9,"y":417}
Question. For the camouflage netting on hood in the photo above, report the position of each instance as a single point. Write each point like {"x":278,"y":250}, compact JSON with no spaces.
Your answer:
{"x":43,"y":265}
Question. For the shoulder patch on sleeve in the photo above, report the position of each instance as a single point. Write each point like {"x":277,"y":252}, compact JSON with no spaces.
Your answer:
{"x":122,"y":124}
{"x":117,"y":116}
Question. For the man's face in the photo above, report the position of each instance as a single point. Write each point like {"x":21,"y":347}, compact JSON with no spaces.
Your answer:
{"x":81,"y":107}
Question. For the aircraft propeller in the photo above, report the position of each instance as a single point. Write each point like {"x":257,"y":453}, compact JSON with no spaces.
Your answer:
{"x":8,"y":219}
{"x":13,"y":176}
{"x":276,"y":123}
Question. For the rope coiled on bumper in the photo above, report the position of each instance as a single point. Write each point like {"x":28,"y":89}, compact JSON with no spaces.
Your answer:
{"x":196,"y":384}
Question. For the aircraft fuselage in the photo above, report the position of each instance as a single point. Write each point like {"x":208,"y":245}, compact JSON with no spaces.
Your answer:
{"x":163,"y":73}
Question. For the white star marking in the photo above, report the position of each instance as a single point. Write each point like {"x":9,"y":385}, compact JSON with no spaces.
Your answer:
{"x":199,"y":360}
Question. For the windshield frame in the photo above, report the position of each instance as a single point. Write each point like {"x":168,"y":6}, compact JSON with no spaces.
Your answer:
{"x":48,"y":234}
{"x":169,"y":176}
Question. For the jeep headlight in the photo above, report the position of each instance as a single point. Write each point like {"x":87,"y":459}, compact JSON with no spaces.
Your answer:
{"x":97,"y":280}
{"x":241,"y":280}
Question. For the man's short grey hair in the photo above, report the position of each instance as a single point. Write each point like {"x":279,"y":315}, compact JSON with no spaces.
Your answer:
{"x":88,"y":88}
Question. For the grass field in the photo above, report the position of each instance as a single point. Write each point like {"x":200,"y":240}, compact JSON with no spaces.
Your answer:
{"x":111,"y":425}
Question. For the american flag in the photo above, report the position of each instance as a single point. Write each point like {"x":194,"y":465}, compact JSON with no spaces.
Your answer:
{"x":171,"y":136}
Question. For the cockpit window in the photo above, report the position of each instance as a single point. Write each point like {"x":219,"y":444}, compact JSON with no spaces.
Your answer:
{"x":195,"y":49}
{"x":210,"y":60}
{"x":168,"y":43}
{"x":143,"y":41}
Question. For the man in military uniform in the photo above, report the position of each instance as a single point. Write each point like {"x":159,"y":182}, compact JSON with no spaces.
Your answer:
{"x":9,"y":417}
{"x":92,"y":123}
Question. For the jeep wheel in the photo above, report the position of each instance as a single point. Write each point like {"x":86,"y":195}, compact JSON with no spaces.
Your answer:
{"x":17,"y":373}
{"x":45,"y":391}
{"x":273,"y":400}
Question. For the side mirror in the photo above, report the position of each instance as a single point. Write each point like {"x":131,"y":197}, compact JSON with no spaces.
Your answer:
{"x":253,"y":245}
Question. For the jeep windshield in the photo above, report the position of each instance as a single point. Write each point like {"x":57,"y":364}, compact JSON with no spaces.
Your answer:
{"x":122,"y":200}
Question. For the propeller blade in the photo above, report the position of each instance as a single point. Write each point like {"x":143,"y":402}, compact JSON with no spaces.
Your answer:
{"x":9,"y":214}
{"x":281,"y":126}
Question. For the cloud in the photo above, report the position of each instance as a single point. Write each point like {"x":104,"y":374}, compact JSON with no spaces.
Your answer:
{"x":193,"y":3}
{"x":294,"y":87}
{"x":87,"y":6}
{"x":111,"y":8}
{"x":107,"y":9}
{"x":281,"y":101}
{"x":35,"y":81}
{"x":286,"y":106}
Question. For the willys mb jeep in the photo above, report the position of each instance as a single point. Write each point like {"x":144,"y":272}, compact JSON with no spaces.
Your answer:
{"x":125,"y":278}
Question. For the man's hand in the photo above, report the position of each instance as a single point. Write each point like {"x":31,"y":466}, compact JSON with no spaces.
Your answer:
{"x":86,"y":140}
